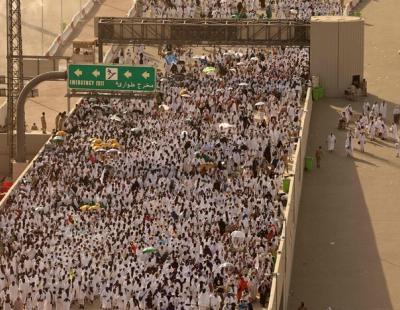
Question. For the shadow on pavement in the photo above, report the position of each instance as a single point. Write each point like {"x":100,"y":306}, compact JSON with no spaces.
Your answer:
{"x":336,"y":259}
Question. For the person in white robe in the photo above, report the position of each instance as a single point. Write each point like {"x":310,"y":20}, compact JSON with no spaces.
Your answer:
{"x":361,"y":141}
{"x":394,"y":131}
{"x":349,"y":144}
{"x":348,"y":111}
{"x":383,"y":109}
{"x":331,"y":141}
{"x":397,"y":148}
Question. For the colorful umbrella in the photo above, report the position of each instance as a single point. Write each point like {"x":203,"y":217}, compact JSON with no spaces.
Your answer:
{"x":58,"y":139}
{"x":208,"y":70}
{"x":149,"y":250}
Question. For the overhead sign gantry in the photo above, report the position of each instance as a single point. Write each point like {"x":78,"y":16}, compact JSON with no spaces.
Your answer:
{"x":201,"y":32}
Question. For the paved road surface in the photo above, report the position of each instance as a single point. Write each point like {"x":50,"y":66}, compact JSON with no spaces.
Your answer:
{"x":347,"y":252}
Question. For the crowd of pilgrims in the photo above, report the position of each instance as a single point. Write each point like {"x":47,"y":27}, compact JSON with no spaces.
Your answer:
{"x":188,"y":206}
{"x":278,"y":9}
{"x":371,"y":123}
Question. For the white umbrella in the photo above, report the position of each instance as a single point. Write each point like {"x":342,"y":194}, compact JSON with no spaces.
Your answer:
{"x":238,"y":234}
{"x":165,"y":107}
{"x":254,"y":58}
{"x":225,"y":126}
{"x":260,"y":103}
{"x":243,"y":84}
{"x":113,"y":151}
{"x":115,"y":118}
{"x":185,"y":95}
{"x":225,"y":265}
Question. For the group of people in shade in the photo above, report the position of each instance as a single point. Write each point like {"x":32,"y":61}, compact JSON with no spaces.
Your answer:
{"x":276,"y":9}
{"x":371,"y":124}
{"x":166,"y":202}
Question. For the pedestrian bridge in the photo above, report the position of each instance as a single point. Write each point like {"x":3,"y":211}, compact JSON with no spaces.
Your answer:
{"x":202,"y":32}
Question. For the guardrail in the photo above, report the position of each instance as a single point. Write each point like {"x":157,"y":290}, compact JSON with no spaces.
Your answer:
{"x":283,"y":267}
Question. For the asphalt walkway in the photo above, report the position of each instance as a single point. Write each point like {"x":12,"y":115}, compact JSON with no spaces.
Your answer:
{"x":347,"y":253}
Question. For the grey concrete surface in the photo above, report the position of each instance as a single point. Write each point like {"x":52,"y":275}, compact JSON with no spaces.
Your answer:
{"x":347,"y":253}
{"x":31,"y":13}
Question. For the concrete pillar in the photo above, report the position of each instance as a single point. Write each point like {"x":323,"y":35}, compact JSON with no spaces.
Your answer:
{"x":337,"y":51}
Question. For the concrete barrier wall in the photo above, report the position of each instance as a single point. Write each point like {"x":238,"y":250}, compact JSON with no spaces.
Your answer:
{"x":34,"y":142}
{"x":284,"y":261}
{"x":69,"y":30}
{"x":3,"y":113}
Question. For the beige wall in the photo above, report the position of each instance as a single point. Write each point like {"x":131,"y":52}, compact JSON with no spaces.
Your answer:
{"x":337,"y":51}
{"x":323,"y":54}
{"x":283,"y":267}
{"x":34,"y":142}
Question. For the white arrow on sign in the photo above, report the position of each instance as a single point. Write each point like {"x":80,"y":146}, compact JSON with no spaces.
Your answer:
{"x":146,"y":75}
{"x":78,"y":72}
{"x":96,"y":73}
{"x":128,"y":74}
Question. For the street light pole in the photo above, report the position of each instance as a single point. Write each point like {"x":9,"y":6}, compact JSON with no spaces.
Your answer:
{"x":42,"y":29}
{"x":61,"y":17}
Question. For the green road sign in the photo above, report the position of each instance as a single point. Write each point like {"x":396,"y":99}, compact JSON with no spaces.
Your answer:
{"x":111,"y":78}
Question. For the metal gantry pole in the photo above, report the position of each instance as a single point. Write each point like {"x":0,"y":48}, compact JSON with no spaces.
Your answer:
{"x":42,"y":27}
{"x":14,"y":70}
